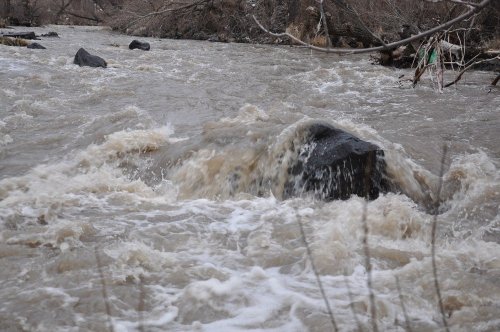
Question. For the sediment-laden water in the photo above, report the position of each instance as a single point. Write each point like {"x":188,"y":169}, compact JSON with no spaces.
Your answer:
{"x":167,"y":168}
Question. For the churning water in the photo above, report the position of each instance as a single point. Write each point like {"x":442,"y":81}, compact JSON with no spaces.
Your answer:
{"x":168,"y":167}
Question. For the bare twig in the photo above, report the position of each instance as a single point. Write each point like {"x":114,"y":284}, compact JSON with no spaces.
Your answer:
{"x":366,"y":247}
{"x":433,"y":241}
{"x":104,"y":291}
{"x":347,"y":7}
{"x":95,"y":19}
{"x":325,"y":25}
{"x":140,"y":307}
{"x":460,"y":74}
{"x":318,"y":279}
{"x":460,"y":2}
{"x":407,"y":320}
{"x":351,"y":304}
{"x":439,"y":67}
{"x":163,"y":11}
{"x":495,"y":81}
{"x":389,"y":46}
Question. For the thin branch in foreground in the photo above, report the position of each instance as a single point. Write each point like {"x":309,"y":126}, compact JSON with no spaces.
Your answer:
{"x":104,"y":291}
{"x":407,"y":320}
{"x":318,"y":279}
{"x":351,"y":304}
{"x":140,"y":308}
{"x":389,"y":46}
{"x":366,"y":247}
{"x":433,"y":241}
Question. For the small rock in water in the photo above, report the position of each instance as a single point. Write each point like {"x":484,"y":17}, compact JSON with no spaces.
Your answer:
{"x":84,"y":58}
{"x":139,"y":45}
{"x":36,"y":46}
{"x":50,"y":34}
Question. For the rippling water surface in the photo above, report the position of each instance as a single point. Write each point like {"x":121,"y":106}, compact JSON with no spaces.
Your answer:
{"x":166,"y":168}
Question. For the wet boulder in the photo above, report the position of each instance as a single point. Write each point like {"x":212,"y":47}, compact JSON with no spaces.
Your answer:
{"x":36,"y":46}
{"x":334,"y":164}
{"x":84,"y":58}
{"x":22,"y":35}
{"x":135,"y":44}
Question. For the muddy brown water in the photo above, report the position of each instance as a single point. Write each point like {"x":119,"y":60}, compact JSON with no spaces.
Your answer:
{"x":170,"y":163}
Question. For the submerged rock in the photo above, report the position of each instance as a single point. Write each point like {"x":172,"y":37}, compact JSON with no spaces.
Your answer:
{"x":50,"y":34}
{"x":84,"y":58}
{"x":334,"y":164}
{"x":36,"y":46}
{"x":139,"y":45}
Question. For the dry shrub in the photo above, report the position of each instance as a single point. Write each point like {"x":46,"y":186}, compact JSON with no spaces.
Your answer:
{"x":319,"y":41}
{"x":13,"y":41}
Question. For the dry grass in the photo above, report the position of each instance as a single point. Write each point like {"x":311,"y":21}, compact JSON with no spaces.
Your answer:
{"x":319,"y":41}
{"x":493,"y":44}
{"x":13,"y":41}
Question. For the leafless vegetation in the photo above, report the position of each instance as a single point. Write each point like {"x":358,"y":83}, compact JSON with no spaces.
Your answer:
{"x":104,"y":290}
{"x":445,"y":41}
{"x":13,"y":41}
{"x":433,"y":241}
{"x":316,"y":273}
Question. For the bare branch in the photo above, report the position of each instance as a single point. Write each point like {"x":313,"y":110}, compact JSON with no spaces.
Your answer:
{"x":460,"y":2}
{"x":407,"y":320}
{"x":460,"y":74}
{"x":495,"y":81}
{"x":318,"y":279}
{"x":389,"y":46}
{"x":433,"y":241}
{"x":141,"y":306}
{"x":104,"y":291}
{"x":325,"y":25}
{"x":360,"y":21}
{"x":164,"y":11}
{"x":95,"y":19}
{"x":351,"y":304}
{"x":368,"y":264}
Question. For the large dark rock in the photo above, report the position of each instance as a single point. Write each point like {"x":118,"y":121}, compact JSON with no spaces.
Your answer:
{"x":84,"y":58}
{"x":22,"y":35}
{"x":334,"y":164}
{"x":139,"y":45}
{"x":36,"y":46}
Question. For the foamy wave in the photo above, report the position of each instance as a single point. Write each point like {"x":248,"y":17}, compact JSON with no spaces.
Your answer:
{"x":94,"y":170}
{"x":123,"y":142}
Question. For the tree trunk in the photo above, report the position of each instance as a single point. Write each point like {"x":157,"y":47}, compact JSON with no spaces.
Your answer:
{"x":5,"y":9}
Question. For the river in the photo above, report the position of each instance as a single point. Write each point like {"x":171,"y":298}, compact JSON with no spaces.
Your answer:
{"x":159,"y":176}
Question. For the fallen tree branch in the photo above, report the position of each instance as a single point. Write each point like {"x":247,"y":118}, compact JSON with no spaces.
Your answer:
{"x":480,"y":6}
{"x":460,"y":74}
{"x":460,"y":2}
{"x":95,"y":19}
